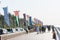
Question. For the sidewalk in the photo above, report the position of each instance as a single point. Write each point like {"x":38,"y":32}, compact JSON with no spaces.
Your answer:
{"x":34,"y":36}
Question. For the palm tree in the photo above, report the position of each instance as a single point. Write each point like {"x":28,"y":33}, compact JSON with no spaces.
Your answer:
{"x":11,"y":18}
{"x":1,"y":21}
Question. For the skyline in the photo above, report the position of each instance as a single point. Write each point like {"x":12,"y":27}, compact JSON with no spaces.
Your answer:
{"x":47,"y":11}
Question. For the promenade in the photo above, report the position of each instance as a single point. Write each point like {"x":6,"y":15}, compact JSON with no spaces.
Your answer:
{"x":34,"y":36}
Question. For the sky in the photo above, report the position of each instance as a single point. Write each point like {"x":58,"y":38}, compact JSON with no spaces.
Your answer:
{"x":47,"y":11}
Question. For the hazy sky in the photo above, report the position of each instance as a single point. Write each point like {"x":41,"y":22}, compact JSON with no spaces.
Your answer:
{"x":46,"y":10}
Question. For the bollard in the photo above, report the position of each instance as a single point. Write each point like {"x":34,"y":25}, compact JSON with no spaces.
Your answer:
{"x":54,"y":35}
{"x":1,"y":31}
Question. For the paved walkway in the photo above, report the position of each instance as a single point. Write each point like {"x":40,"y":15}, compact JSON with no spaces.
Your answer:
{"x":34,"y":36}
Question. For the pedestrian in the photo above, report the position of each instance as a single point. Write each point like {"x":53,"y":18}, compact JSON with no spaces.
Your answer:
{"x":48,"y":28}
{"x":52,"y":28}
{"x":54,"y":35}
{"x":40,"y":29}
{"x":37,"y":29}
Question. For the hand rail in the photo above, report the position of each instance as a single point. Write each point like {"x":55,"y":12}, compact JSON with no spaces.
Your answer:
{"x":57,"y":33}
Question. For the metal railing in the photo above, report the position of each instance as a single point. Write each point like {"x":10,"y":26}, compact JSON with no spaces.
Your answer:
{"x":57,"y":31}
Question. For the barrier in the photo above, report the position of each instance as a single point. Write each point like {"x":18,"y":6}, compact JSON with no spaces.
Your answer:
{"x":11,"y":35}
{"x":57,"y":33}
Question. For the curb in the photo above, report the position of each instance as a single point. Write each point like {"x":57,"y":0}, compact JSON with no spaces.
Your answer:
{"x":11,"y":35}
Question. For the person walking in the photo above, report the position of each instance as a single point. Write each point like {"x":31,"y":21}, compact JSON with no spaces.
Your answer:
{"x":37,"y":29}
{"x":40,"y":29}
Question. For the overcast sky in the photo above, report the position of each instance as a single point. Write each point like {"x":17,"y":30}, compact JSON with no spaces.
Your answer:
{"x":46,"y":10}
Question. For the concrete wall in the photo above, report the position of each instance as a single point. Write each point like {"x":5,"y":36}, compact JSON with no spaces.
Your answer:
{"x":11,"y":35}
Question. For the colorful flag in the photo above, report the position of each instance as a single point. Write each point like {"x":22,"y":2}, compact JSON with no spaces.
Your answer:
{"x":24,"y":15}
{"x":40,"y":22}
{"x":30,"y":21}
{"x":6,"y":16}
{"x":16,"y":13}
{"x":35,"y":20}
{"x":16,"y":17}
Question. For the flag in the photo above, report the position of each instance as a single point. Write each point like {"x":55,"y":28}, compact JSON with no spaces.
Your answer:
{"x":30,"y":21}
{"x":24,"y":15}
{"x":6,"y":16}
{"x":16,"y":13}
{"x":16,"y":17}
{"x":40,"y":22}
{"x":36,"y":21}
